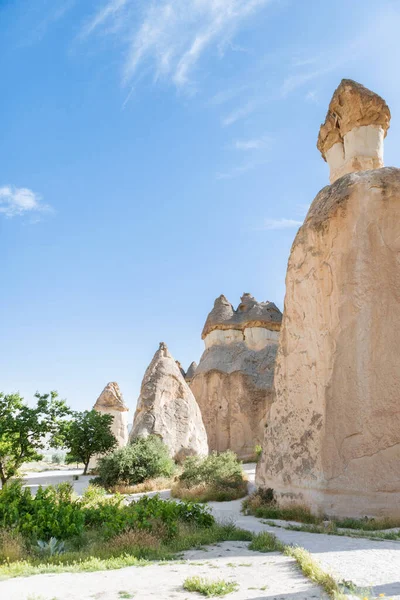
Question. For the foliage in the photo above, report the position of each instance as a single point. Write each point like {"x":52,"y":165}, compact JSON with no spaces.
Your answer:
{"x":265,"y":542}
{"x":258,"y":451}
{"x":144,"y":458}
{"x":53,"y":547}
{"x":88,"y":433}
{"x":117,"y":553}
{"x":23,"y":429}
{"x":208,"y":587}
{"x":12,"y":546}
{"x":51,"y":513}
{"x":215,"y":477}
{"x":54,"y":512}
{"x":57,"y":458}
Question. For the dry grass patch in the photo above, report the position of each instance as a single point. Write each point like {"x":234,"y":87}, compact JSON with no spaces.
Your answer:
{"x":150,"y":485}
{"x":12,"y":546}
{"x":204,"y":492}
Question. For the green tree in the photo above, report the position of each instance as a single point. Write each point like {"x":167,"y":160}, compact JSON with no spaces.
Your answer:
{"x":25,"y":430}
{"x":88,"y":433}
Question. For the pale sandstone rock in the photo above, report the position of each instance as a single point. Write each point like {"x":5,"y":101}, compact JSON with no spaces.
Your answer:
{"x":333,"y":439}
{"x":233,"y":383}
{"x":351,"y":139}
{"x":166,"y":407}
{"x":112,"y":403}
{"x":191,"y":371}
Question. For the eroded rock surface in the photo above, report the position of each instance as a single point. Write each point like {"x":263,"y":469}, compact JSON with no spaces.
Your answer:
{"x":112,"y":403}
{"x":233,"y":382}
{"x":166,"y":407}
{"x":333,"y":440}
{"x":351,"y":138}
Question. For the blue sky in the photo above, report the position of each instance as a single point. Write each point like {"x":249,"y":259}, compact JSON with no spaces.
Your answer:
{"x":155,"y":154}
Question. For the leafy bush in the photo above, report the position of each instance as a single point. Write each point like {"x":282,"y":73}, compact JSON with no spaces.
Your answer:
{"x":214,"y":477}
{"x":144,"y":458}
{"x":55,"y":513}
{"x":51,"y":513}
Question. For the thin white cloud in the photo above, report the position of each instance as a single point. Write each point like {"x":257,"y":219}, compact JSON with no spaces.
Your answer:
{"x":20,"y":201}
{"x":171,"y":35}
{"x":239,"y":113}
{"x":260,"y":143}
{"x":272,"y":224}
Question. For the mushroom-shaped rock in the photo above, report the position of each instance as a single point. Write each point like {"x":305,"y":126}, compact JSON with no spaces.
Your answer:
{"x":333,"y":440}
{"x":166,"y":407}
{"x":351,"y":138}
{"x":191,"y":371}
{"x":233,"y":383}
{"x":112,"y":403}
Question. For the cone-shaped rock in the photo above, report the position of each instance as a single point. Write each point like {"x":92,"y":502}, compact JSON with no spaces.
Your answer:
{"x":333,"y":441}
{"x":233,"y":383}
{"x":191,"y":371}
{"x":166,"y":407}
{"x":112,"y":403}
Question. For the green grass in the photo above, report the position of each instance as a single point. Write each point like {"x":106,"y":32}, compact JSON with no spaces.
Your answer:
{"x":101,"y":557}
{"x":314,"y":571}
{"x":125,"y":595}
{"x":263,"y":508}
{"x":265,"y":542}
{"x":208,"y":587}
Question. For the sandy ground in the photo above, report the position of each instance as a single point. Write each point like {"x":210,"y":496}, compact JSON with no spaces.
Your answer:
{"x":369,"y":564}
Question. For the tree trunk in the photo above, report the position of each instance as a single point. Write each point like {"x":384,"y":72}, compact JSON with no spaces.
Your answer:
{"x":86,"y":467}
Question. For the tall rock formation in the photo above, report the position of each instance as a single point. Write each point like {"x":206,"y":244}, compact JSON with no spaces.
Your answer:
{"x":190,"y":372}
{"x":166,"y":407}
{"x":233,"y":383}
{"x":112,"y":403}
{"x":333,"y":442}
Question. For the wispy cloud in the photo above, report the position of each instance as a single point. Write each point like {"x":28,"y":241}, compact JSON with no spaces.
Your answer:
{"x":171,"y":35}
{"x":20,"y":201}
{"x":239,"y":113}
{"x":271,"y":224}
{"x":260,"y":143}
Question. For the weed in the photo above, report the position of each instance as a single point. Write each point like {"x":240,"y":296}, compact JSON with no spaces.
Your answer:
{"x":265,"y":542}
{"x":208,"y":587}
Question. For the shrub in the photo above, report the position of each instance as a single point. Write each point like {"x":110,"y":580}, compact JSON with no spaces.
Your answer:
{"x":57,"y":458}
{"x":144,"y":458}
{"x":214,"y":477}
{"x":51,"y":513}
{"x":55,"y":513}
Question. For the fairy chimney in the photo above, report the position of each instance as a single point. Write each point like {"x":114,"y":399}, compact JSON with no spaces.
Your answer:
{"x":112,"y":403}
{"x":333,"y":439}
{"x":233,"y":382}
